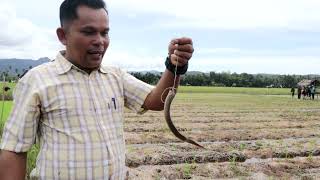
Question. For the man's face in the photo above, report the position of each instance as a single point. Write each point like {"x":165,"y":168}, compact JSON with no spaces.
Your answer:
{"x":87,"y":38}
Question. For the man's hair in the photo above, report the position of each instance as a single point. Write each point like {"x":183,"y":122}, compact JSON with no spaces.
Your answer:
{"x":68,"y":8}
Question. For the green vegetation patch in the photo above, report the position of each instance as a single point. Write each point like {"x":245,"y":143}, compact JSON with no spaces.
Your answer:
{"x":7,"y":106}
{"x":7,"y":94}
{"x":234,"y":90}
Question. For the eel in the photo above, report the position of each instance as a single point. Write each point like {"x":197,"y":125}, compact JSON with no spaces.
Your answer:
{"x":167,"y":104}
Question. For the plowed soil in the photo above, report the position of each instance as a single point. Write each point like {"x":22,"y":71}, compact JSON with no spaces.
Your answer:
{"x":245,"y":137}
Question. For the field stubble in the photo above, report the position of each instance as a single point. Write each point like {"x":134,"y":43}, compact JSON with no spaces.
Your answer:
{"x":245,"y":136}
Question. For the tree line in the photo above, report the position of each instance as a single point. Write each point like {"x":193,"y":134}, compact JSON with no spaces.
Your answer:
{"x":222,"y":79}
{"x":11,"y":76}
{"x":228,"y":79}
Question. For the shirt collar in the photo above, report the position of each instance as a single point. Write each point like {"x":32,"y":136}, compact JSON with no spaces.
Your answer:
{"x":103,"y":70}
{"x":63,"y":65}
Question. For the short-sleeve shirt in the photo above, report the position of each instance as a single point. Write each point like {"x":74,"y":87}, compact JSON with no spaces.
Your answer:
{"x":78,"y":118}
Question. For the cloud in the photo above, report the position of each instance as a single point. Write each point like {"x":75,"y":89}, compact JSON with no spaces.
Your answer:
{"x":20,"y":38}
{"x":238,"y":52}
{"x":13,"y":31}
{"x":250,"y":63}
{"x":204,"y":51}
{"x":133,"y":61}
{"x":228,"y":14}
{"x":32,"y":35}
{"x":258,"y":64}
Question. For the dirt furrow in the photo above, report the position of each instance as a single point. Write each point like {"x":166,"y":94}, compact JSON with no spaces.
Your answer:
{"x":213,"y":126}
{"x":220,"y":135}
{"x":226,"y":117}
{"x":158,"y":154}
{"x":296,"y":168}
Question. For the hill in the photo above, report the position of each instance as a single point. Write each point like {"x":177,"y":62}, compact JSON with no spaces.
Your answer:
{"x":18,"y":66}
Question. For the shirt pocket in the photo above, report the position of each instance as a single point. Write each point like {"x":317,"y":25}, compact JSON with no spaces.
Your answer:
{"x":62,"y":114}
{"x":115,"y":109}
{"x":114,"y":104}
{"x":55,"y":106}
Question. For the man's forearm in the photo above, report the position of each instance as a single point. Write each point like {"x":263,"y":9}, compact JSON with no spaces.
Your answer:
{"x":153,"y":101}
{"x":12,"y":165}
{"x":179,"y":53}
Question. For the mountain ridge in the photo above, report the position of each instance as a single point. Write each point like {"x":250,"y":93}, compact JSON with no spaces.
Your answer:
{"x":14,"y":66}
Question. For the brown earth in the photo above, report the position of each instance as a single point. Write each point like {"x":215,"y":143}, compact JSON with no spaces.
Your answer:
{"x":246,"y":142}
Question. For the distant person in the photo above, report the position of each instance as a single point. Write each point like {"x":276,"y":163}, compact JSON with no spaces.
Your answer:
{"x":309,"y":91}
{"x":304,"y":92}
{"x":312,"y":91}
{"x":299,"y":92}
{"x":76,"y":106}
{"x":292,"y":92}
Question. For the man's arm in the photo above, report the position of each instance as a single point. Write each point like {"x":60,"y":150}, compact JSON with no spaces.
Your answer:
{"x":153,"y":100}
{"x":180,"y":51}
{"x":12,"y":165}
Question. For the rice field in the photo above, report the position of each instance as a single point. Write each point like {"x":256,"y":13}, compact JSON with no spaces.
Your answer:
{"x":248,"y":133}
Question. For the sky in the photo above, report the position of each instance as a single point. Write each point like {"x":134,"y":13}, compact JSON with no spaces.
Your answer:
{"x":242,"y":36}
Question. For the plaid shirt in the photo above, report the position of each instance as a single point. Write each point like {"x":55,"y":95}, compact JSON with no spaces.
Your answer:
{"x":78,"y":117}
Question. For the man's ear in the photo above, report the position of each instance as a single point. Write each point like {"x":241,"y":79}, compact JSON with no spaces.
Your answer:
{"x":62,"y":35}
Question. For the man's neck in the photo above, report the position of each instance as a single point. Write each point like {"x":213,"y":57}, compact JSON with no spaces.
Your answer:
{"x":87,"y":70}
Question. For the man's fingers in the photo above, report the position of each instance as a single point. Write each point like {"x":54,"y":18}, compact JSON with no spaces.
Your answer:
{"x":177,"y":59}
{"x":172,"y":46}
{"x":183,"y":40}
{"x":181,"y":49}
{"x":182,"y":54}
{"x":185,"y":48}
{"x":174,"y":41}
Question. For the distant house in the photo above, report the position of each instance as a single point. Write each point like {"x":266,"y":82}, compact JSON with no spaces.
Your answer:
{"x":307,"y":82}
{"x":304,"y":88}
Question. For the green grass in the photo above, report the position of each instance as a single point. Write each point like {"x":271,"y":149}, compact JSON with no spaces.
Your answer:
{"x":206,"y":89}
{"x":234,"y":90}
{"x":32,"y":154}
{"x":7,"y":105}
{"x":11,"y":85}
{"x":231,"y":102}
{"x":31,"y":159}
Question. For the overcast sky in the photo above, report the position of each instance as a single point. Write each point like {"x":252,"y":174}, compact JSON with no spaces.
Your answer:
{"x":252,"y":36}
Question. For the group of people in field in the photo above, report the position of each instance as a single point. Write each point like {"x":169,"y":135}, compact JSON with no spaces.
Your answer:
{"x":304,"y":92}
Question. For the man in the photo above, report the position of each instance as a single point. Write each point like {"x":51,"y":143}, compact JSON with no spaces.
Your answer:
{"x":76,"y":106}
{"x":312,"y":91}
{"x":292,"y":92}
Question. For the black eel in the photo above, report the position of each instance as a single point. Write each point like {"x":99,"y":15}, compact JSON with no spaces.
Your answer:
{"x":167,"y":104}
